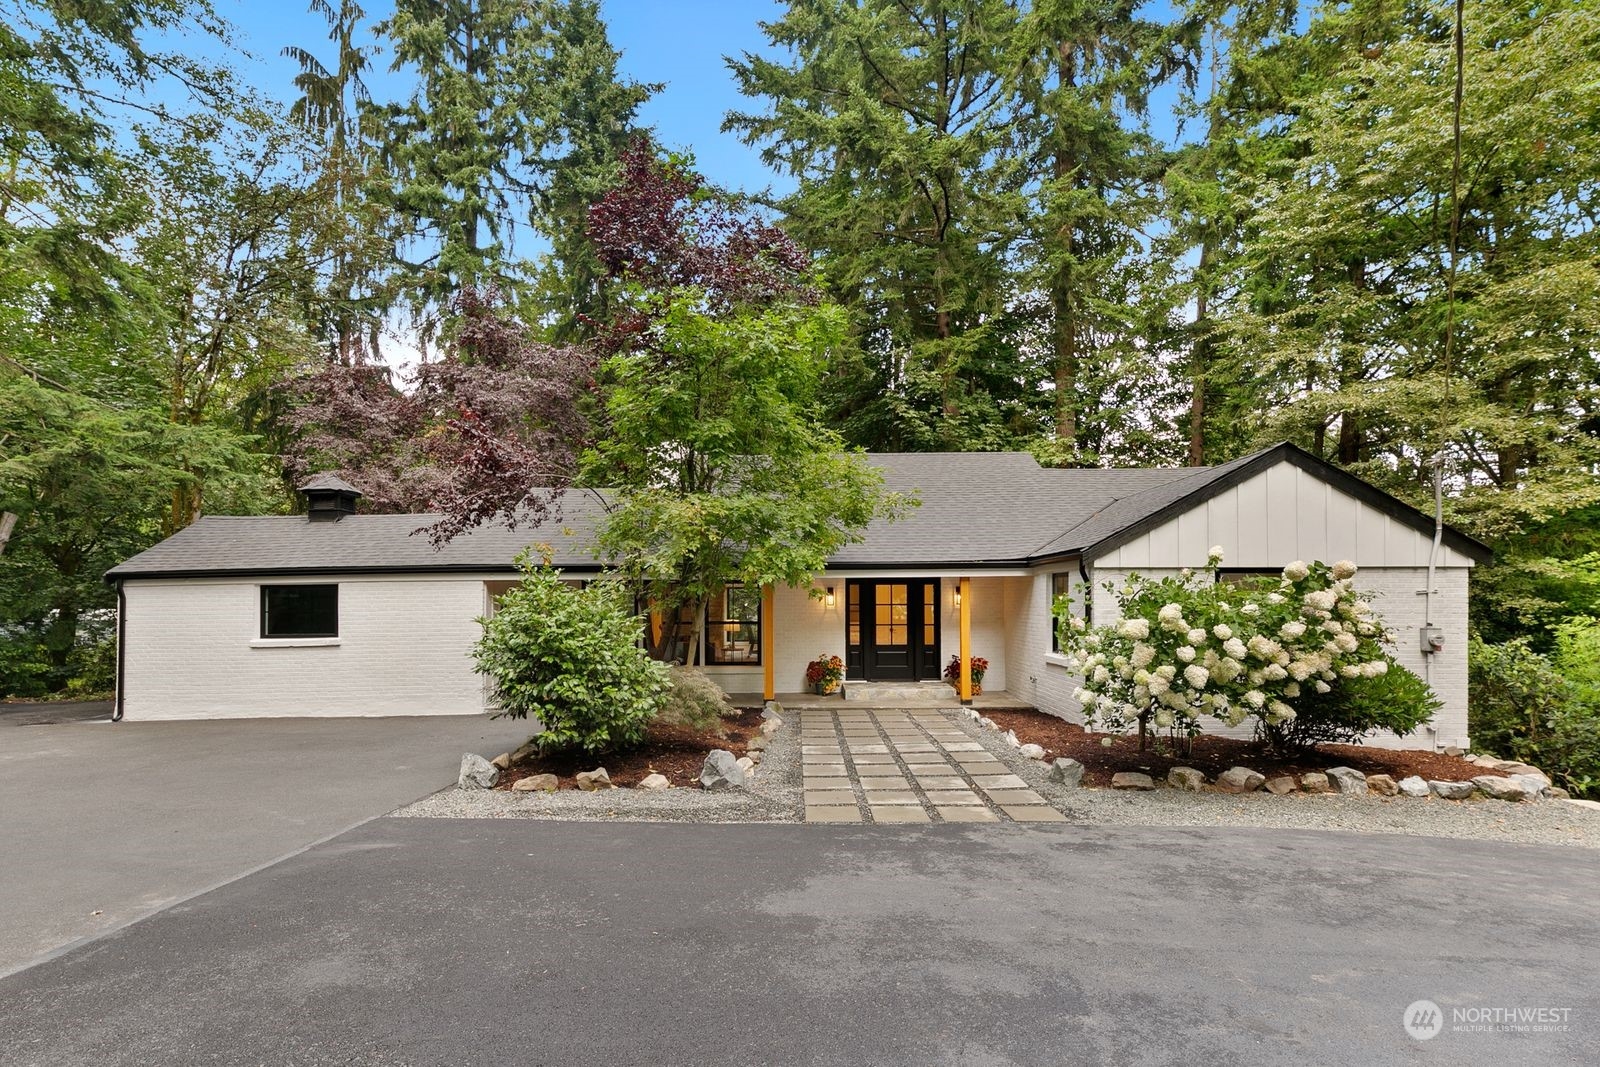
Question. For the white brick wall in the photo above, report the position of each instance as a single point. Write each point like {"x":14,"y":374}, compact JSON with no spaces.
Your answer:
{"x":404,"y":649}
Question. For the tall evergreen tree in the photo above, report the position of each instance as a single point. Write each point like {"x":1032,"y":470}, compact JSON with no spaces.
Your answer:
{"x":893,"y":119}
{"x":333,"y":101}
{"x":509,"y":95}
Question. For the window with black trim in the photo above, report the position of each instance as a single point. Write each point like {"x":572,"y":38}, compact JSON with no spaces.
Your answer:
{"x":735,"y":638}
{"x":299,"y":611}
{"x":1060,"y":586}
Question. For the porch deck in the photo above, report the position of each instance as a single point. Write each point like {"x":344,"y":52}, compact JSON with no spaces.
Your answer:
{"x":946,"y":701}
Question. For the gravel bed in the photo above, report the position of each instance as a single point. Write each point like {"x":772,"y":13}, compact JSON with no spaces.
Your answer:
{"x":1547,"y":822}
{"x":774,"y":796}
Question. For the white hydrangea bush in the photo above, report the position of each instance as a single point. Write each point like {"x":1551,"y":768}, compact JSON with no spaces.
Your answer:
{"x":1189,"y":646}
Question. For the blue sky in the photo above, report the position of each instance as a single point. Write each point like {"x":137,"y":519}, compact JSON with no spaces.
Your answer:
{"x":678,"y":42}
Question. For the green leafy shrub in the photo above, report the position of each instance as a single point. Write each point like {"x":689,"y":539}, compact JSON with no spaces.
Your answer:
{"x":1523,"y":708}
{"x":570,"y":657}
{"x":1396,"y":700}
{"x":696,"y":702}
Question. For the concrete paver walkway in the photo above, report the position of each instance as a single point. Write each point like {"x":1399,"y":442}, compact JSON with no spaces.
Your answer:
{"x":894,"y":765}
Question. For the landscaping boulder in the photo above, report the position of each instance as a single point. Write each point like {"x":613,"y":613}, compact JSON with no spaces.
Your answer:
{"x":1315,"y":782}
{"x":477,"y":772}
{"x":1382,"y":784}
{"x":536,"y":783}
{"x":1011,"y":739}
{"x":772,"y":710}
{"x":1451,"y":790}
{"x":1032,"y":751}
{"x":1186,"y":778}
{"x":1131,"y":780}
{"x":1281,"y":785}
{"x":754,"y":756}
{"x":721,"y":771}
{"x":745,"y":764}
{"x":1240,"y":780}
{"x":770,"y":727}
{"x":757,"y":744}
{"x":1493,"y":785}
{"x":1412,"y":787}
{"x":1348,"y":780}
{"x":526,"y":750}
{"x":1068,"y":772}
{"x":1454,"y":750}
{"x":1535,"y":785}
{"x":654,"y":782}
{"x":503,"y":761}
{"x":589,"y":781}
{"x":988,"y":722}
{"x":1510,"y":766}
{"x":1555,"y":792}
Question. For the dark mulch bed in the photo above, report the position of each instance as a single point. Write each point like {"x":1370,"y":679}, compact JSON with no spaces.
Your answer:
{"x":1213,"y":755}
{"x":674,"y":751}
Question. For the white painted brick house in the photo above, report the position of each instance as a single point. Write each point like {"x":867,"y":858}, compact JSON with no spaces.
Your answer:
{"x":337,"y":613}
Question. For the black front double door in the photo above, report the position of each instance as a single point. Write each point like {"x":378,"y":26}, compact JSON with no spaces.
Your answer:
{"x":892,"y":629}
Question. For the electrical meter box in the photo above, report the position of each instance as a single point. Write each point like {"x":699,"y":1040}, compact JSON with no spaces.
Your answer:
{"x":1432,"y":639}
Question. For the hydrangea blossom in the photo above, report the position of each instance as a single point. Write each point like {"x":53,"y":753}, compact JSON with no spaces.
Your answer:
{"x":1188,"y":647}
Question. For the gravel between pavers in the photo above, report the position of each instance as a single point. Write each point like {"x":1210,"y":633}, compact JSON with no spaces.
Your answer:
{"x":774,"y":796}
{"x":1548,"y":822}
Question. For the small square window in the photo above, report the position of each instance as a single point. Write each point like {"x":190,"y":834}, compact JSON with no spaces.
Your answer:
{"x":300,"y":611}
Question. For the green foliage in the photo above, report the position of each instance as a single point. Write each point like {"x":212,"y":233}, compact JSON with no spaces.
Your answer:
{"x":1522,"y":708}
{"x":515,"y":121}
{"x":571,"y":658}
{"x":1396,"y":700}
{"x":696,"y":702}
{"x":716,"y":486}
{"x":1577,"y":656}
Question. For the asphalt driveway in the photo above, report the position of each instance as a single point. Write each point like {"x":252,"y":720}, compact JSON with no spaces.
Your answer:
{"x":101,"y":823}
{"x":428,"y":941}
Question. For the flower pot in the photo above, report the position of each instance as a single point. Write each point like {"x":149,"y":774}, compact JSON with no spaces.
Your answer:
{"x":826,"y":688}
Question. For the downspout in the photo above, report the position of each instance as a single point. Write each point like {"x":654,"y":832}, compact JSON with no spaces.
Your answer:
{"x":1088,"y":591}
{"x":122,"y":653}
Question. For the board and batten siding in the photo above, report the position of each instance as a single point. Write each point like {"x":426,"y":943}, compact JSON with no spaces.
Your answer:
{"x":194,"y":650}
{"x":1281,"y":515}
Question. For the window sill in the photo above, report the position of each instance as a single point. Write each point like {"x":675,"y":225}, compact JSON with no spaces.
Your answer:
{"x":1056,"y":659}
{"x":294,"y":642}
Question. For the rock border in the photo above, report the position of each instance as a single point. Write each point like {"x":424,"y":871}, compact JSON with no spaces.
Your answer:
{"x":1511,"y":780}
{"x":721,"y":771}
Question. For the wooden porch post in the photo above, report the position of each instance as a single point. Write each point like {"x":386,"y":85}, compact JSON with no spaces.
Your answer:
{"x":768,"y":688}
{"x":966,"y":640}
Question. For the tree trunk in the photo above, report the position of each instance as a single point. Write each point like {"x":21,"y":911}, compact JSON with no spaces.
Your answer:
{"x":8,"y":522}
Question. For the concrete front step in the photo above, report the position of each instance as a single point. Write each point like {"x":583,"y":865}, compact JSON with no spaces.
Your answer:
{"x":937,"y":692}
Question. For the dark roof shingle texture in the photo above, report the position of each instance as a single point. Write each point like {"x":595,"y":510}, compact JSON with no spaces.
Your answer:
{"x":988,"y":508}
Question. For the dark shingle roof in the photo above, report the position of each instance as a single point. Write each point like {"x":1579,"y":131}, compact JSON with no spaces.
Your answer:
{"x":329,"y":482}
{"x":990,"y":508}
